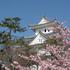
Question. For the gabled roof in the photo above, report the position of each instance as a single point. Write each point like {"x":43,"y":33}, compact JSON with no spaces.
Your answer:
{"x":43,"y":21}
{"x":44,"y":25}
{"x":41,"y":36}
{"x":37,"y":40}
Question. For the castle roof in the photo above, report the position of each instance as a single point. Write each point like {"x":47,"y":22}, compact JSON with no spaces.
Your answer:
{"x":44,"y":23}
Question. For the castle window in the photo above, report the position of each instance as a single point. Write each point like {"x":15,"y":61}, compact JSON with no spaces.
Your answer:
{"x":48,"y":30}
{"x":40,"y":40}
{"x":45,"y":30}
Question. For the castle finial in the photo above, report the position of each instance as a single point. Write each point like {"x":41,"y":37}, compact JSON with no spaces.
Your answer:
{"x":44,"y":17}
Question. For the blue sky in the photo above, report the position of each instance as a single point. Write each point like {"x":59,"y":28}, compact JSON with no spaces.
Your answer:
{"x":31,"y":11}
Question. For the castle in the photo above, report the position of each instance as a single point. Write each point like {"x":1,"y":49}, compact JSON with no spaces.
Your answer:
{"x":46,"y":28}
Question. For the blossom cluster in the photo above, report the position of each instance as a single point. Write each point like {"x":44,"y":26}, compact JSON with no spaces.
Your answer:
{"x":58,"y":60}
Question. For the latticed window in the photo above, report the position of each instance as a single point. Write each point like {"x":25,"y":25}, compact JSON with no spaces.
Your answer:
{"x":40,"y":40}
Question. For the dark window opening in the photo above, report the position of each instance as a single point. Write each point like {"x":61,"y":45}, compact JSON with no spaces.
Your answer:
{"x":45,"y":30}
{"x":48,"y":30}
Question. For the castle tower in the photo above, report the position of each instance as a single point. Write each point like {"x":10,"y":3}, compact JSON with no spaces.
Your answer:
{"x":42,"y":30}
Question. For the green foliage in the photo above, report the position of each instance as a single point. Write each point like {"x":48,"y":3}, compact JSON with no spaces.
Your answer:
{"x":6,"y":37}
{"x":20,"y":41}
{"x":54,"y":41}
{"x":13,"y":25}
{"x":51,"y":41}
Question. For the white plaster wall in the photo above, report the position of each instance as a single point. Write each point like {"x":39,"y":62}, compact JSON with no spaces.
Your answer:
{"x":38,"y":40}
